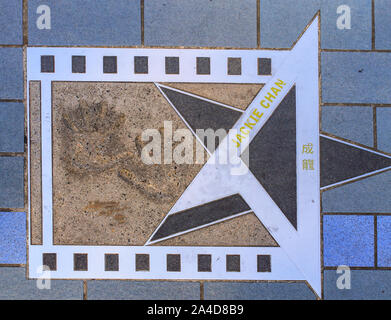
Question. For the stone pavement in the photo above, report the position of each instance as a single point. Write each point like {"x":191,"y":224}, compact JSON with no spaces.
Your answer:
{"x":355,"y":106}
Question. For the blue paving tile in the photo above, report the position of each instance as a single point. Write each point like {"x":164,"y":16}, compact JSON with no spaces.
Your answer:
{"x":383,"y":116}
{"x":87,"y":22}
{"x":282,"y":22}
{"x":348,"y":240}
{"x":11,"y":73}
{"x":11,"y":127}
{"x":356,"y":77}
{"x":353,"y":123}
{"x":11,"y":25}
{"x":382,"y":24}
{"x":372,"y":194}
{"x":227,"y":23}
{"x":384,"y":241}
{"x":142,"y":290}
{"x":11,"y":182}
{"x":257,"y":291}
{"x":12,"y":237}
{"x":365,"y":285}
{"x":15,"y":286}
{"x":360,"y":34}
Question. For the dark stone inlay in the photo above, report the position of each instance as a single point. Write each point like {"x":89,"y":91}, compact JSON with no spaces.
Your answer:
{"x":50,"y":260}
{"x":80,"y":262}
{"x":172,"y":65}
{"x":110,"y":64}
{"x":201,"y":114}
{"x":340,"y":161}
{"x":111,"y":262}
{"x":78,"y":64}
{"x":142,"y":262}
{"x":47,"y":63}
{"x":204,"y":263}
{"x":201,"y":215}
{"x":233,"y":263}
{"x":234,"y":66}
{"x":264,"y":66}
{"x":174,"y":262}
{"x":273,"y":156}
{"x":140,"y":64}
{"x":203,"y":65}
{"x":264,"y":263}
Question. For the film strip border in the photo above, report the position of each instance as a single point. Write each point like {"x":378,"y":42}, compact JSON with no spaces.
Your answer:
{"x":100,"y":262}
{"x":152,"y":65}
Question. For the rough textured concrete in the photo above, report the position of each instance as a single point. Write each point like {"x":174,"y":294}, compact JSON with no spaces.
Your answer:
{"x":245,"y":230}
{"x":107,"y":195}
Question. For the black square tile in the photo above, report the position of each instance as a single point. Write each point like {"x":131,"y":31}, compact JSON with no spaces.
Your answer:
{"x":264,"y":263}
{"x":233,"y":263}
{"x":142,"y":262}
{"x":110,"y":64}
{"x":173,"y":262}
{"x":140,"y":64}
{"x":234,"y":66}
{"x":78,"y":64}
{"x":172,"y":65}
{"x":80,"y":262}
{"x":47,"y":63}
{"x":204,"y":263}
{"x":264,"y":66}
{"x":111,"y":262}
{"x":203,"y":65}
{"x":50,"y":260}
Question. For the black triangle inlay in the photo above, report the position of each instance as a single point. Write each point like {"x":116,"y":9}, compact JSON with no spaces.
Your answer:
{"x":201,"y":114}
{"x":272,"y":157}
{"x":340,"y":161}
{"x":202,"y":215}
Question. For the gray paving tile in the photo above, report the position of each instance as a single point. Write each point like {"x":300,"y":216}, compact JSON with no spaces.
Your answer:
{"x":257,"y":291}
{"x":142,"y":290}
{"x":384,"y":129}
{"x":11,"y":22}
{"x":11,"y":127}
{"x":365,"y":285}
{"x":12,"y":180}
{"x":282,"y":21}
{"x":352,"y":123}
{"x":348,"y":240}
{"x":15,"y":286}
{"x":372,"y":194}
{"x":356,"y":77}
{"x":227,"y":23}
{"x":384,"y":241}
{"x":382,"y":24}
{"x":12,"y":237}
{"x":87,"y":22}
{"x":359,"y":36}
{"x":11,"y":73}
